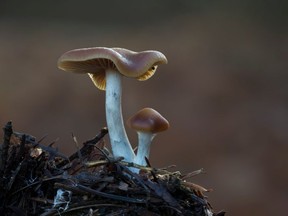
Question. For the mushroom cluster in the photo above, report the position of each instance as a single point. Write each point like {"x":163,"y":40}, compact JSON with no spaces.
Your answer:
{"x":106,"y":67}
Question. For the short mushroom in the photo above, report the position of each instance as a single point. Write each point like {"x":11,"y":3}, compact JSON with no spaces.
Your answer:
{"x":147,"y":122}
{"x":106,"y":66}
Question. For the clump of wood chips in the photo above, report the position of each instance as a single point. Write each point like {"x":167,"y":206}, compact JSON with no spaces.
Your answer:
{"x":37,"y":179}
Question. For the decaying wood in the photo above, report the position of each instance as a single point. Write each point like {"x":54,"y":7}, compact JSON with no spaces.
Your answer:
{"x":37,"y":179}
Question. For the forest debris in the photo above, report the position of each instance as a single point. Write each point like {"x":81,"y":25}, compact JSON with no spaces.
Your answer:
{"x":39,"y":180}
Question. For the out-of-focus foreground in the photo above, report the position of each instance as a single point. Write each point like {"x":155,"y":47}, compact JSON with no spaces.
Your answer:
{"x":224,"y":90}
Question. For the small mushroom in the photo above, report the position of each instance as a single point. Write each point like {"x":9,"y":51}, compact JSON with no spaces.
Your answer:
{"x":147,"y":122}
{"x":106,"y":67}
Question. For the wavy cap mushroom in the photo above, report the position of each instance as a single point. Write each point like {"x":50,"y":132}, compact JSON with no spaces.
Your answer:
{"x":106,"y":66}
{"x":147,"y":122}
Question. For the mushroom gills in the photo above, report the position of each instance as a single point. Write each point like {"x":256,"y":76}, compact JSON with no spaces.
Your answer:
{"x":149,"y":73}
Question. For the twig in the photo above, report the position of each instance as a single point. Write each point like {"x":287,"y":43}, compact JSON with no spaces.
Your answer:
{"x":192,"y":174}
{"x":7,"y":135}
{"x":137,"y":177}
{"x":77,"y":146}
{"x":152,"y":172}
{"x":110,"y":196}
{"x":42,"y":138}
{"x":96,"y":139}
{"x":87,"y":146}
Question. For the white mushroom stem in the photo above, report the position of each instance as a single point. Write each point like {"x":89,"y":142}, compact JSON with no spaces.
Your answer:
{"x":144,"y":142}
{"x":118,"y":137}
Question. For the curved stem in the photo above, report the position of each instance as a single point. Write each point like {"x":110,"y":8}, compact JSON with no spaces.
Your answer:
{"x":144,"y":142}
{"x":118,"y":137}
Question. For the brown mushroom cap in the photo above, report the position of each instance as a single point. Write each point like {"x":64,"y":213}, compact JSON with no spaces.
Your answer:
{"x":139,"y":65}
{"x":148,"y":120}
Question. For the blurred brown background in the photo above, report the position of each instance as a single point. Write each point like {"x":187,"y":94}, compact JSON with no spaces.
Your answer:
{"x":224,"y":90}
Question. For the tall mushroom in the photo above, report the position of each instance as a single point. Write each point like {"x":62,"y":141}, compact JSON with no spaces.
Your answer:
{"x":147,"y":122}
{"x":106,"y":66}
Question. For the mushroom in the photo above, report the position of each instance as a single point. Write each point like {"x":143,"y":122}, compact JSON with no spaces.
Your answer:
{"x":147,"y":122}
{"x":106,"y":66}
